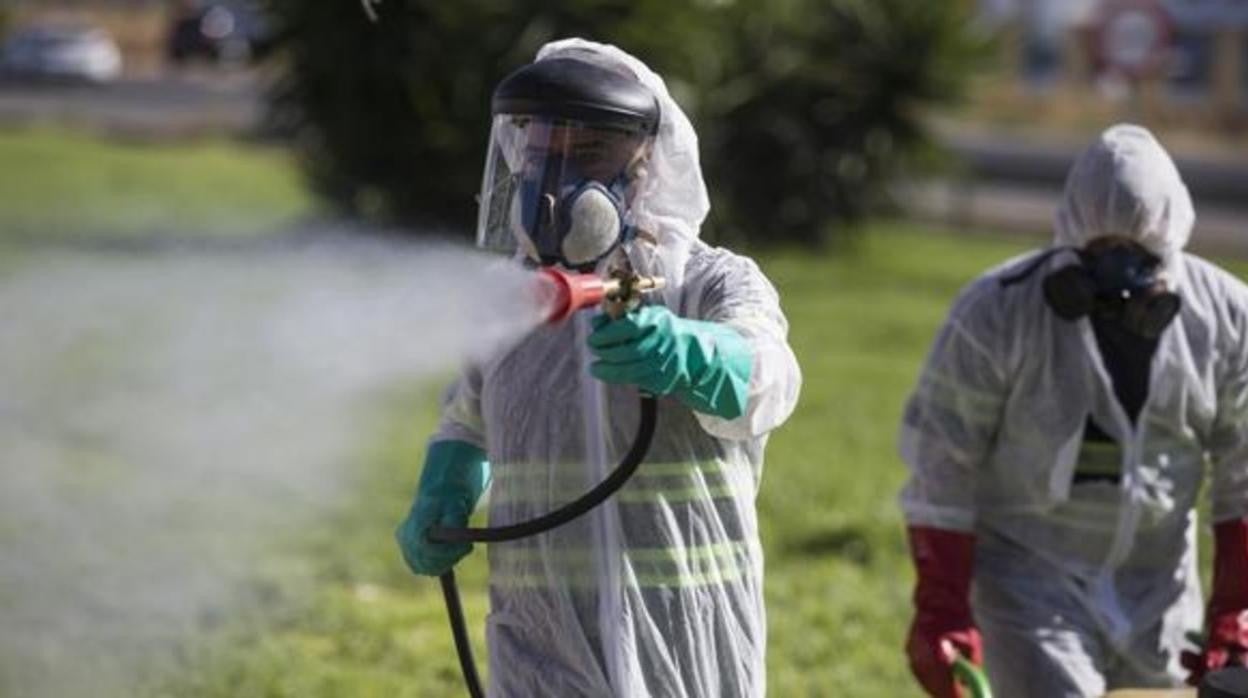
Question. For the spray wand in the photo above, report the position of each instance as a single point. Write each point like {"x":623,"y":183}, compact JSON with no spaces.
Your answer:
{"x":618,"y":293}
{"x":565,"y":293}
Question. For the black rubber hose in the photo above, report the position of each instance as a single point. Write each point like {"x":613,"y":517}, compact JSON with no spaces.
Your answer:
{"x":459,"y":629}
{"x":586,"y":502}
{"x":571,"y":510}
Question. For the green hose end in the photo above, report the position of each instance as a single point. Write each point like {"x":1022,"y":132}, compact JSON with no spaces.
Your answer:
{"x":971,"y":676}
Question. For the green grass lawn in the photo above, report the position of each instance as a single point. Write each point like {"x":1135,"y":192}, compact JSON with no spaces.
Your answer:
{"x":838,"y":577}
{"x":57,"y":185}
{"x":334,"y":613}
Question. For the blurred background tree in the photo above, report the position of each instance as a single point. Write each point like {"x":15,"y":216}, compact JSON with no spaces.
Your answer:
{"x":820,"y":104}
{"x":804,"y":107}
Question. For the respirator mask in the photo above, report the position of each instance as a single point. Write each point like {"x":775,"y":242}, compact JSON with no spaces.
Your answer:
{"x":566,"y":163}
{"x":1115,"y":281}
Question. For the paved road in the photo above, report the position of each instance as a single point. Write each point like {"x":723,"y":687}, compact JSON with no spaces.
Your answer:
{"x":1006,"y":207}
{"x":1213,"y":178}
{"x":177,"y":105}
{"x":1014,"y":185}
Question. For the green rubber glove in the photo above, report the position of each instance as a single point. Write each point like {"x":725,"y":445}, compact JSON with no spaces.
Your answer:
{"x":706,"y":365}
{"x":452,"y":480}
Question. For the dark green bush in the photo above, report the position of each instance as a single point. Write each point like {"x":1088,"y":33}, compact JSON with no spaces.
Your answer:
{"x":805,"y":107}
{"x":821,"y":104}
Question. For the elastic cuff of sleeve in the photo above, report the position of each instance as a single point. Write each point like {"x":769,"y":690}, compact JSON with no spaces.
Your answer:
{"x":455,"y":470}
{"x":722,"y":388}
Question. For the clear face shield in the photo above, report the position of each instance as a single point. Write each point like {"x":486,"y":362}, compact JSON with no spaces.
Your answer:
{"x":559,"y":191}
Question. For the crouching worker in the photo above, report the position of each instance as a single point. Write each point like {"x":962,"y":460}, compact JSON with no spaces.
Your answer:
{"x":658,"y":591}
{"x":1057,"y":440}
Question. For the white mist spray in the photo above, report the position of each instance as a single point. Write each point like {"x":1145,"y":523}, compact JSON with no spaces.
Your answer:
{"x":161,"y":413}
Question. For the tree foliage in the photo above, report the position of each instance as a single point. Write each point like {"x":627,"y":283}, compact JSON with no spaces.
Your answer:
{"x":805,"y":108}
{"x":823,"y":104}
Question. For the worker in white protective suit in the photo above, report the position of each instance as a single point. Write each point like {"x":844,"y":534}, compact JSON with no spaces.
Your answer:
{"x":1057,"y":440}
{"x":659,"y":591}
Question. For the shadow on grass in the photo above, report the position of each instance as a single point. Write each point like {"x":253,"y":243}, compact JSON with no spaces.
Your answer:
{"x":849,"y":543}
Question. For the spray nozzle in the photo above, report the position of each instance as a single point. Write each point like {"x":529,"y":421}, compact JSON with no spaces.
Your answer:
{"x":619,"y":292}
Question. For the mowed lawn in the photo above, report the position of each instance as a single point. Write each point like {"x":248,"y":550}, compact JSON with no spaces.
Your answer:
{"x":60,"y":186}
{"x":334,"y":613}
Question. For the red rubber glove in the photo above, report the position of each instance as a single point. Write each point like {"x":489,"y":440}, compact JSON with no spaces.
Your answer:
{"x":942,"y":626}
{"x":1227,"y":613}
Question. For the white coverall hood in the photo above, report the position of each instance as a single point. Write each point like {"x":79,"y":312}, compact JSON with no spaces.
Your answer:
{"x":1126,"y":184}
{"x":673,"y":202}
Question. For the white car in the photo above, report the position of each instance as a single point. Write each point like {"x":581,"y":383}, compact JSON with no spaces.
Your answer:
{"x":61,"y":53}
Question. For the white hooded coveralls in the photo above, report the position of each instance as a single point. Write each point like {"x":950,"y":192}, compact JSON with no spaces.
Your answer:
{"x":658,"y":592}
{"x":1080,"y":588}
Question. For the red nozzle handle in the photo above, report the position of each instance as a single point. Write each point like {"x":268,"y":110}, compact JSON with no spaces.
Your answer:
{"x":572,"y":292}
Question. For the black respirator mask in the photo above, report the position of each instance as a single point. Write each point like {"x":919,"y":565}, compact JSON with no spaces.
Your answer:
{"x":1119,"y":283}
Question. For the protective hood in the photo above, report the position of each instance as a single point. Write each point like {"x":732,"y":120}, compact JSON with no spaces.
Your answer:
{"x":1126,"y":184}
{"x":673,"y":200}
